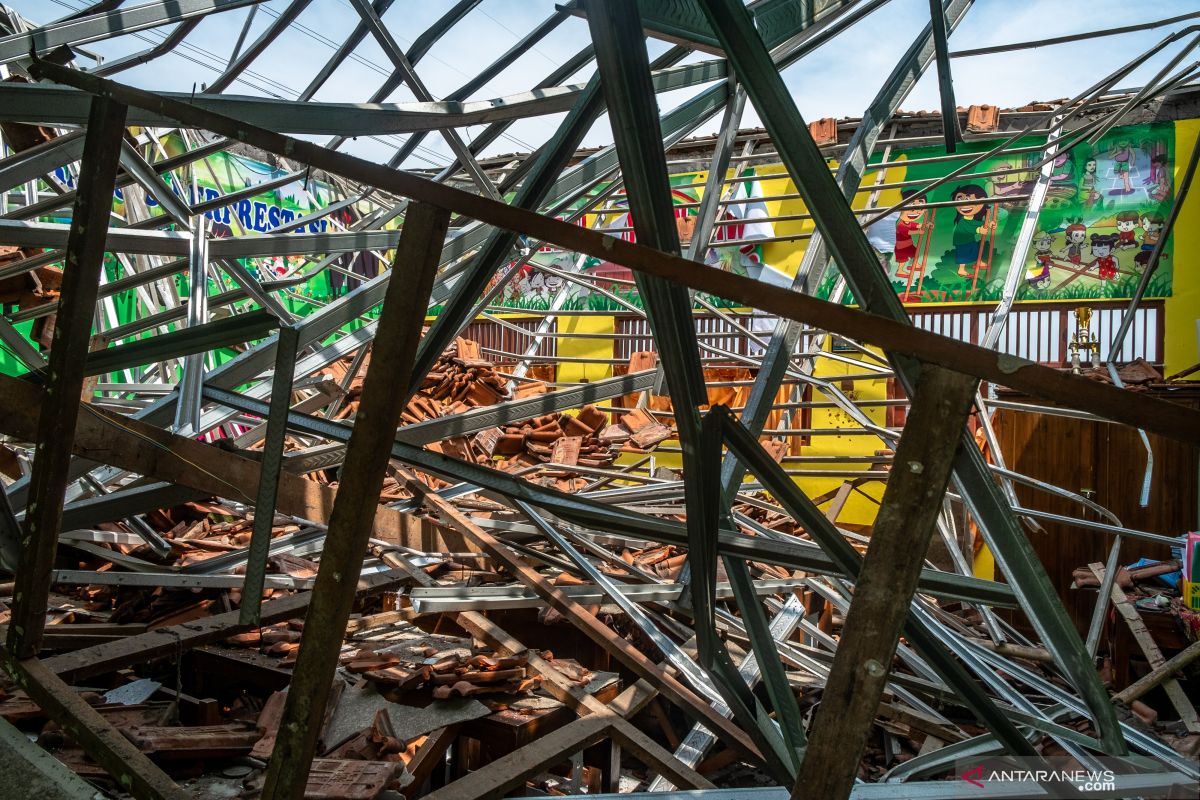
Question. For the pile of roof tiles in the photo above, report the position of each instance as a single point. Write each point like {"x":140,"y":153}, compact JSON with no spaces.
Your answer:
{"x":564,"y":440}
{"x":448,"y":675}
{"x":460,"y":380}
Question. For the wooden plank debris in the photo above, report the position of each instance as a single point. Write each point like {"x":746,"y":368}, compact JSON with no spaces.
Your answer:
{"x":353,"y":514}
{"x":1137,"y":627}
{"x":1163,"y":672}
{"x":64,"y":375}
{"x":132,"y":770}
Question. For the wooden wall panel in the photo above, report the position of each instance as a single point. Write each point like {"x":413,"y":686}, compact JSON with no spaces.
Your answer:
{"x":1109,"y":460}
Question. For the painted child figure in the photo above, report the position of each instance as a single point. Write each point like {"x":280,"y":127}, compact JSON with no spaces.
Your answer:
{"x":1122,"y":157}
{"x":1076,"y":238}
{"x":1037,"y":275}
{"x":909,"y":225}
{"x":1126,"y":225}
{"x":1152,"y":228}
{"x":1087,"y":183}
{"x":1104,"y":261}
{"x":1160,"y":177}
{"x":970,"y":229}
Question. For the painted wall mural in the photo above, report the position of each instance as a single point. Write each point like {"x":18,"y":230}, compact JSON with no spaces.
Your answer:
{"x":1105,"y":209}
{"x":225,"y":173}
{"x":1104,"y":212}
{"x":738,"y":234}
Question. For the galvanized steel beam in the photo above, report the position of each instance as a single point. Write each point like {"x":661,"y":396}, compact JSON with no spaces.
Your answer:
{"x":98,"y":27}
{"x":136,"y":166}
{"x":781,"y":738}
{"x":35,"y":162}
{"x":950,"y":130}
{"x":268,"y":481}
{"x":187,"y":411}
{"x":239,"y":61}
{"x":624,"y":70}
{"x":224,"y":332}
{"x":118,"y":240}
{"x":482,"y":77}
{"x":404,"y":70}
{"x":533,"y":192}
{"x":849,"y":562}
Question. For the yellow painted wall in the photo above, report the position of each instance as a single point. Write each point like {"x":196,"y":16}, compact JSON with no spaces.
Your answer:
{"x":858,"y":509}
{"x":785,"y":256}
{"x":585,"y":347}
{"x":1182,"y":308}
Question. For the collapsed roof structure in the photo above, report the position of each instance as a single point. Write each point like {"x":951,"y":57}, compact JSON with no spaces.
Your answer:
{"x":372,"y":442}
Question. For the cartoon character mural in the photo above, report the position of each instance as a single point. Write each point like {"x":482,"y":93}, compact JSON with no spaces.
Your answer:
{"x":1104,"y":211}
{"x":1120,"y":186}
{"x":1126,"y":184}
{"x":1008,"y":179}
{"x":531,"y":285}
{"x":1126,"y":229}
{"x":540,"y":285}
{"x":972,"y":228}
{"x":1152,"y":227}
{"x":1037,"y":274}
{"x":1160,"y":176}
{"x":1123,"y":162}
{"x":1102,"y":255}
{"x":947,"y":254}
{"x":1062,"y":178}
{"x":745,"y":223}
{"x":1076,"y":239}
{"x":1087,"y":183}
{"x":909,"y":225}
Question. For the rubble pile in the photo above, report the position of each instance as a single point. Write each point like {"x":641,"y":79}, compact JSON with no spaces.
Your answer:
{"x":564,"y":440}
{"x":444,"y":676}
{"x":462,"y":380}
{"x":470,"y":643}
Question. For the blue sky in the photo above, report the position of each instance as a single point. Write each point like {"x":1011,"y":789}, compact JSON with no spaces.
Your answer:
{"x":837,"y":80}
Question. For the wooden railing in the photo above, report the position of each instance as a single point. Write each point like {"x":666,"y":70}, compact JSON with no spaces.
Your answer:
{"x":1038,"y":332}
